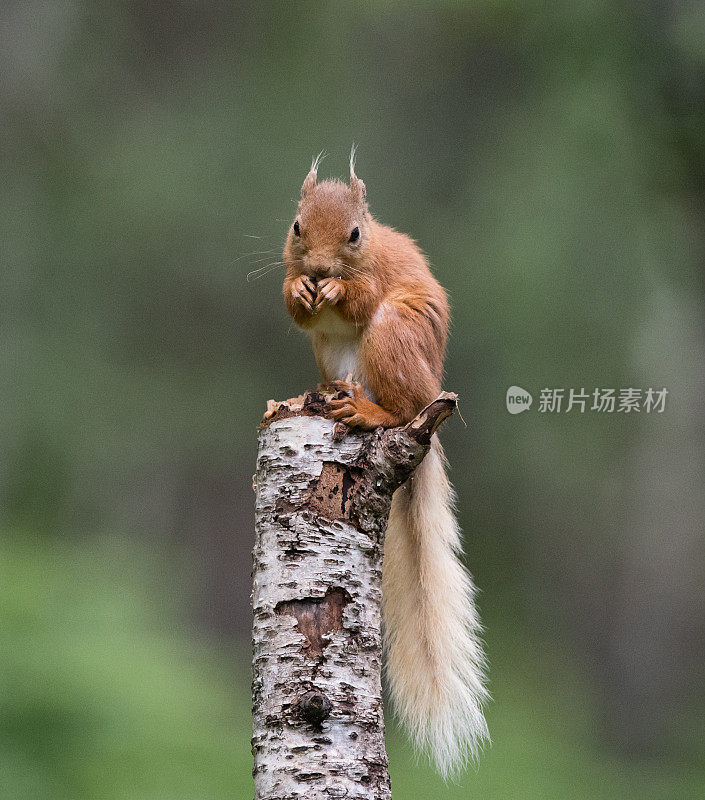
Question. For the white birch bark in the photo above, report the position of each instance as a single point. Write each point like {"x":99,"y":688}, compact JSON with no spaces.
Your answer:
{"x":321,"y":511}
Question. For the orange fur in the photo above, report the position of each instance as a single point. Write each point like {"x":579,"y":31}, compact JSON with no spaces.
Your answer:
{"x":383,"y":289}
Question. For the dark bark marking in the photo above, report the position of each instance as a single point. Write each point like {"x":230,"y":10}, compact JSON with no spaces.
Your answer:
{"x":314,"y":707}
{"x":331,"y":495}
{"x":340,"y":431}
{"x":308,"y":777}
{"x":316,"y":617}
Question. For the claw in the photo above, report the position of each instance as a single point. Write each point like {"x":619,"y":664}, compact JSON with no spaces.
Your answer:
{"x":350,"y":387}
{"x":346,"y":412}
{"x":336,"y":404}
{"x":329,"y":290}
{"x":303,"y":289}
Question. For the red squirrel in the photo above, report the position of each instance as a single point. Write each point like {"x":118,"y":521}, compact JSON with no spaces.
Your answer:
{"x":366,"y":296}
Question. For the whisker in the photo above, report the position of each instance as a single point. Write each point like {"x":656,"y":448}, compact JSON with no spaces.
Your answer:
{"x":260,"y":260}
{"x":255,"y":253}
{"x":260,"y":272}
{"x":348,"y":267}
{"x":272,"y":263}
{"x":261,"y":235}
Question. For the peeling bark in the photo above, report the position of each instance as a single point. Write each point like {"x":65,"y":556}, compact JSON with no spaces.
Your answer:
{"x":323,"y":497}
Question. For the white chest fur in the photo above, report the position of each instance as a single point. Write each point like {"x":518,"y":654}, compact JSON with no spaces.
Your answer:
{"x":336,"y":344}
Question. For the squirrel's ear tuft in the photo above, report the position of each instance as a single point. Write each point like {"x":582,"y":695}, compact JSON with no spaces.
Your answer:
{"x":310,"y":181}
{"x":356,"y":184}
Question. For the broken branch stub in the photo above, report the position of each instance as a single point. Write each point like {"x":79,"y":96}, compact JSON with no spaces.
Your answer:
{"x":323,"y":497}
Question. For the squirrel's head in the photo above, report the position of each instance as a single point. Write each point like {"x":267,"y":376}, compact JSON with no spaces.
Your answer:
{"x":330,"y":233}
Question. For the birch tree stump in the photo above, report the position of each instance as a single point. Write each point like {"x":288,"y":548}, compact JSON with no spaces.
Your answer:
{"x":323,"y":497}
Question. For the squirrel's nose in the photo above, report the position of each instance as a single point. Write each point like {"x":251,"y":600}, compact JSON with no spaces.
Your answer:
{"x":318,"y":266}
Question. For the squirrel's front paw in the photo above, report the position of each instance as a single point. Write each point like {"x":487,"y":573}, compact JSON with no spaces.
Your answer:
{"x":303,"y":290}
{"x":330,"y":290}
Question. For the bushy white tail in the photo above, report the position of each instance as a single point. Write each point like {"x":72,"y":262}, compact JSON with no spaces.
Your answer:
{"x":435,"y":663}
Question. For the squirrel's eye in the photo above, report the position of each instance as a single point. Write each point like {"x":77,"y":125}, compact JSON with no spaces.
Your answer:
{"x":297,"y":229}
{"x":354,"y":235}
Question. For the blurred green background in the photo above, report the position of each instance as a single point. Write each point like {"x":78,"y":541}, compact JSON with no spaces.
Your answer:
{"x":550,"y":159}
